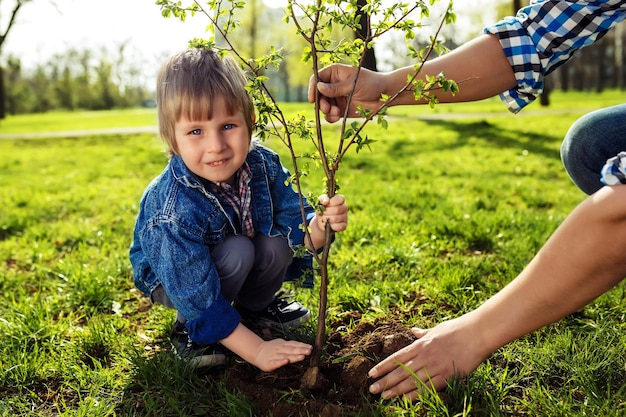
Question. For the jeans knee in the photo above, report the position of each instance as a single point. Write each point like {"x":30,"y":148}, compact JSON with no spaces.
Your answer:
{"x":589,"y":142}
{"x":234,"y":257}
{"x":272,"y":251}
{"x":577,"y":139}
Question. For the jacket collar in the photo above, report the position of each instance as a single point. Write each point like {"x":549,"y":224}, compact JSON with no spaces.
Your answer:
{"x":182,"y":174}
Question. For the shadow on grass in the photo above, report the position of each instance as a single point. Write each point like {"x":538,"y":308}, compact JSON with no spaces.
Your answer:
{"x":483,"y":131}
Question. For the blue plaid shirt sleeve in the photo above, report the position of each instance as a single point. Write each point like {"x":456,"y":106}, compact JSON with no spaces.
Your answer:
{"x":545,"y":34}
{"x":614,"y":171}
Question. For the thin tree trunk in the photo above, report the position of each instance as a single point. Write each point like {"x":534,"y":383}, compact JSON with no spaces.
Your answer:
{"x":3,"y":112}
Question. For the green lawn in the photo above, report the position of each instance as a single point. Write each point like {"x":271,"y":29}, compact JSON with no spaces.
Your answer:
{"x":451,"y":208}
{"x":79,"y":120}
{"x":572,"y":102}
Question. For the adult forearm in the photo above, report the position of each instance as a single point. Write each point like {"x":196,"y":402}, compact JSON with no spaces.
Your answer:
{"x":479,"y":67}
{"x":584,"y":258}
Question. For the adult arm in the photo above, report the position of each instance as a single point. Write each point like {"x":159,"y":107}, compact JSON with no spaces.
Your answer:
{"x":583,"y":259}
{"x":480,"y":67}
{"x":542,"y":36}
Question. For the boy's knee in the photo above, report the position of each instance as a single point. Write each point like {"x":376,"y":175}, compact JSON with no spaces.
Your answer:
{"x":272,"y":250}
{"x":234,"y":256}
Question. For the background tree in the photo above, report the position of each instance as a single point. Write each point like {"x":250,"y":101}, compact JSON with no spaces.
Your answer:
{"x":18,"y":94}
{"x":76,"y":79}
{"x":5,"y":28}
{"x":64,"y":90}
{"x":363,"y":31}
{"x":619,"y":56}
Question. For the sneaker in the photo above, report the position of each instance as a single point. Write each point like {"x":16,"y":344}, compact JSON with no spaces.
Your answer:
{"x":198,"y":356}
{"x":280,"y":312}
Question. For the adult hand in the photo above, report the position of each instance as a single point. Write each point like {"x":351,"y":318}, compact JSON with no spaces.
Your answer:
{"x":452,"y":348}
{"x":335,"y":84}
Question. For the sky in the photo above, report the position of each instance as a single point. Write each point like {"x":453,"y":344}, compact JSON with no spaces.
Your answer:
{"x":46,"y":27}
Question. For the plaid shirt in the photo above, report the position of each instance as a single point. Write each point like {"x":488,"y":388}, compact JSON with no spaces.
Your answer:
{"x":545,"y":34}
{"x":614,"y":171}
{"x":239,"y":198}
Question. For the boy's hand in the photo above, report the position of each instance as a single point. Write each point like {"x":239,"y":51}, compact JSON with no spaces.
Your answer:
{"x":275,"y":353}
{"x":265,"y":355}
{"x":335,"y":213}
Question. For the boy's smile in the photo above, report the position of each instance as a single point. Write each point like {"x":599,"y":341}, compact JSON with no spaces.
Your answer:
{"x":215,"y":148}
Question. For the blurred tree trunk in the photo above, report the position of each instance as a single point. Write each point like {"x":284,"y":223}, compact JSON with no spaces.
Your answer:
{"x":369,"y":60}
{"x":3,"y":35}
{"x":618,"y":58}
{"x":253,"y":28}
{"x":3,"y":99}
{"x":544,"y":98}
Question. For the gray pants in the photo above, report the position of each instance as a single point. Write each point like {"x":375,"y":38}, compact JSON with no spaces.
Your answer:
{"x":251,"y":270}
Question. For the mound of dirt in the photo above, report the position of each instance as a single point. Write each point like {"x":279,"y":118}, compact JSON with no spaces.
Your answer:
{"x":338,"y":387}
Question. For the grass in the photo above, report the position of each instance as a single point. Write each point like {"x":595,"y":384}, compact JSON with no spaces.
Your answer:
{"x":573,"y":102}
{"x":450,"y":208}
{"x":79,"y":120}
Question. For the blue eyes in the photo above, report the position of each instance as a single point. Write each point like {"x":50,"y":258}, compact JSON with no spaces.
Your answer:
{"x":196,"y":132}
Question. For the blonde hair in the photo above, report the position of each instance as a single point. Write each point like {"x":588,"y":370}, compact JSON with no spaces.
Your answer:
{"x":188,"y":84}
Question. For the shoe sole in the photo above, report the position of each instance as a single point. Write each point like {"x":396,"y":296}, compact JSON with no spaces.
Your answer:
{"x":207,"y":361}
{"x":202,"y":361}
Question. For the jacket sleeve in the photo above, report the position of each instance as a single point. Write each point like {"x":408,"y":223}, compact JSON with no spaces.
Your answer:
{"x":182,"y":263}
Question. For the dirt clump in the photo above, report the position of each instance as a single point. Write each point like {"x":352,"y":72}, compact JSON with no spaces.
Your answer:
{"x":338,"y":387}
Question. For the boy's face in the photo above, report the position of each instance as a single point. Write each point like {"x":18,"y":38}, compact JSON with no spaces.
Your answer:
{"x":214,"y":149}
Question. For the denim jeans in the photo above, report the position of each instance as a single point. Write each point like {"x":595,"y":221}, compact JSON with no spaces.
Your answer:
{"x":250,"y":270}
{"x":590,"y":141}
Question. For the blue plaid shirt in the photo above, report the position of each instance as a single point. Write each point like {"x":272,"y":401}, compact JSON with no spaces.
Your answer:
{"x":614,"y":171}
{"x":239,"y":199}
{"x":545,"y":34}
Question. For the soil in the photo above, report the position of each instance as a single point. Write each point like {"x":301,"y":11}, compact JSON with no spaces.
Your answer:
{"x":338,"y":387}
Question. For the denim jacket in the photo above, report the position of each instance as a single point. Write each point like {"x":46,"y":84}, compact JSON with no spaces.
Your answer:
{"x":179,"y":221}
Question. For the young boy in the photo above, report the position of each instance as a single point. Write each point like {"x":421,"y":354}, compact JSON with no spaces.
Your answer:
{"x":217,"y":229}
